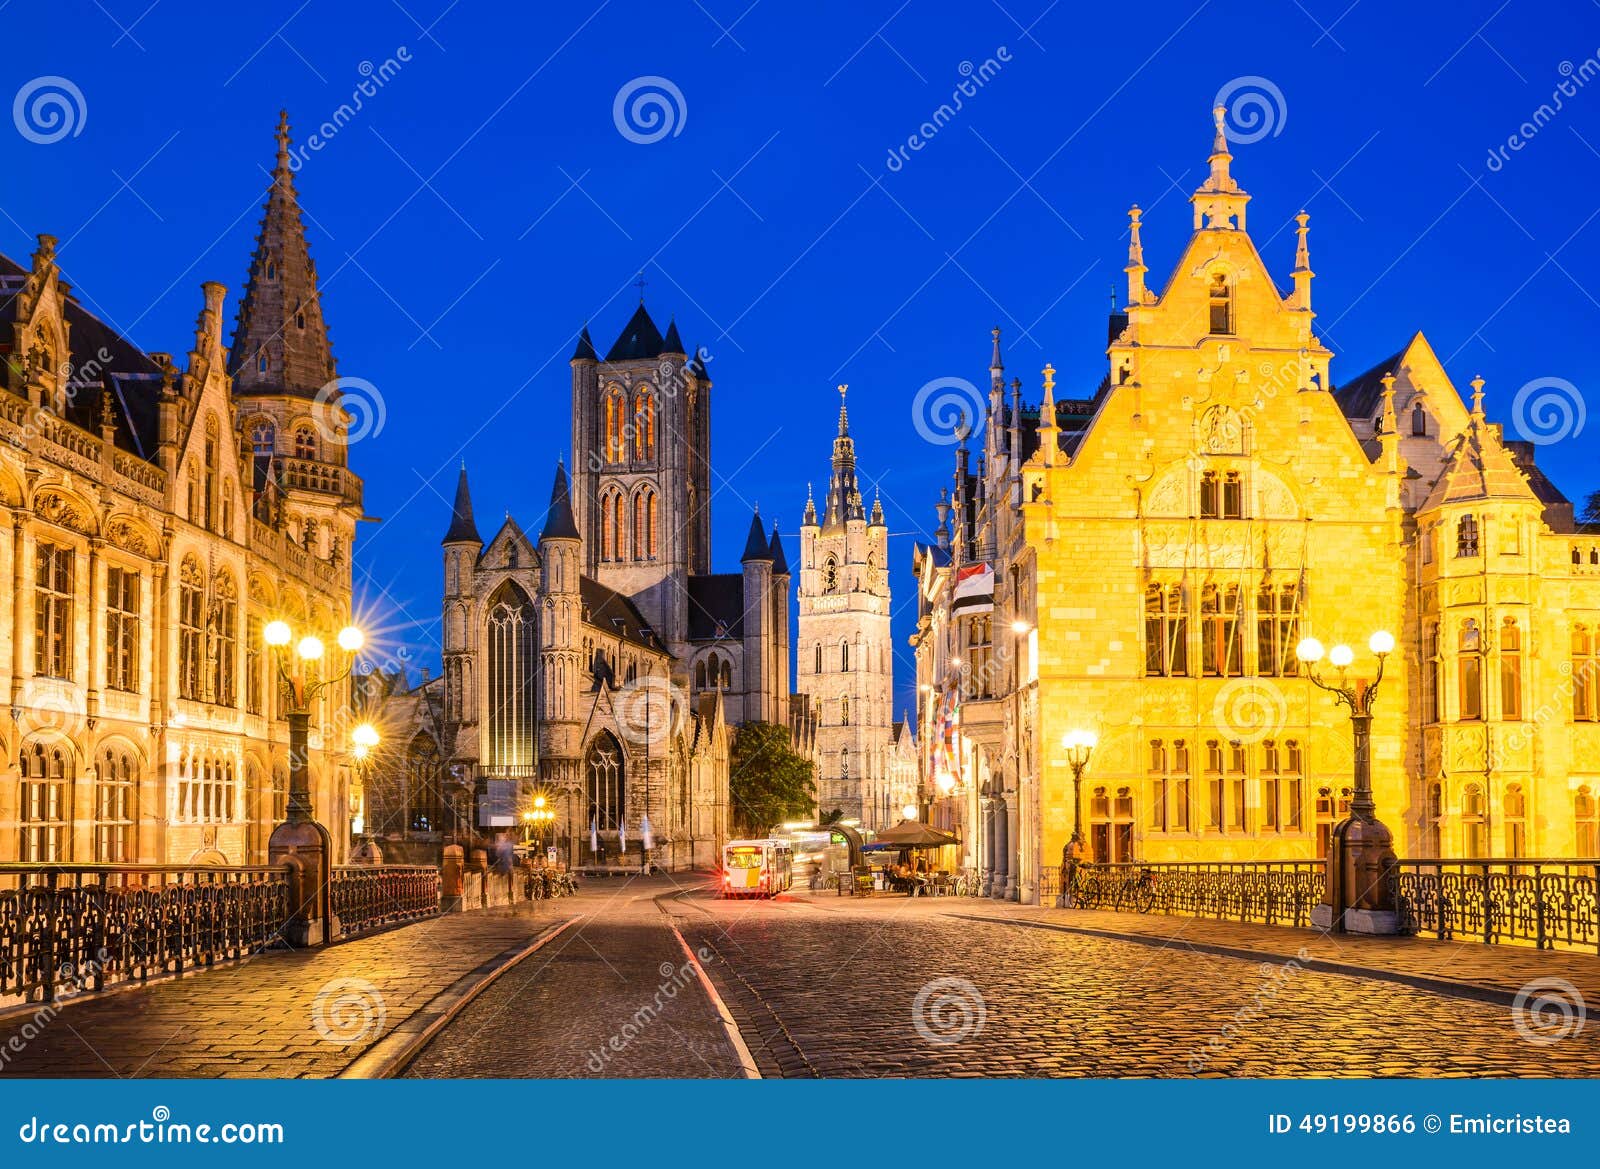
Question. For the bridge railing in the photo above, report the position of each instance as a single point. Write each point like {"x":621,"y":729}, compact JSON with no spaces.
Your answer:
{"x":369,"y":897}
{"x":65,"y":929}
{"x":1267,"y":892}
{"x":1545,"y":903}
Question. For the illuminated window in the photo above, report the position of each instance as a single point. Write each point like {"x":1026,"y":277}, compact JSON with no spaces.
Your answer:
{"x":1432,"y":674}
{"x":1467,"y":536}
{"x":1331,"y":808}
{"x":1277,"y":630}
{"x":115,"y":783}
{"x":225,"y":641}
{"x":1586,"y":838}
{"x":1516,"y":815}
{"x":52,"y":610}
{"x":513,"y":674}
{"x":305,"y":443}
{"x":1474,"y":822}
{"x":191,"y":629}
{"x":616,"y":425}
{"x":644,"y":425}
{"x":1585,"y":674}
{"x":1170,"y":794}
{"x":1471,"y":671}
{"x":1282,"y":786}
{"x":603,"y":782}
{"x":254,"y":683}
{"x":1510,"y":670}
{"x":122,"y":628}
{"x":44,"y":806}
{"x":1222,"y":651}
{"x":1166,"y":632}
{"x":1221,"y":299}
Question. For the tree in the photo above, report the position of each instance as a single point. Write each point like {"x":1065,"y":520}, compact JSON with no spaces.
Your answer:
{"x":1591,"y":509}
{"x":771,"y":782}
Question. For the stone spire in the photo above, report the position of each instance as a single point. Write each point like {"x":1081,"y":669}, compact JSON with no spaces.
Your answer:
{"x":559,"y":523}
{"x":811,"y":506}
{"x":1219,"y":204}
{"x":280,"y":344}
{"x":463,"y":528}
{"x":1302,"y":264}
{"x":1135,"y":268}
{"x":1389,"y":436}
{"x":997,"y":367}
{"x":1048,"y":429}
{"x":844,"y":492}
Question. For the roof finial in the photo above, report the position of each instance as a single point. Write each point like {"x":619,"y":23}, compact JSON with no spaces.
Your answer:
{"x":639,"y":284}
{"x":283,"y":141}
{"x":1135,"y":268}
{"x":1477,"y":398}
{"x":997,"y":367}
{"x":844,"y":416}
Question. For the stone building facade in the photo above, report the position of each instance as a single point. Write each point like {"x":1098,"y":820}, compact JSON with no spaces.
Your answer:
{"x":160,"y":516}
{"x":1160,"y":545}
{"x":601,"y":665}
{"x":846,"y":661}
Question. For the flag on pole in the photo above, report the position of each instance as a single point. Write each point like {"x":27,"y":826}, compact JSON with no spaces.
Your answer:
{"x":622,"y":834}
{"x":594,"y":833}
{"x":644,"y":831}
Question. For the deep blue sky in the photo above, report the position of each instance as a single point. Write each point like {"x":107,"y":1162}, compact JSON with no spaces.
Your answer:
{"x":460,"y":299}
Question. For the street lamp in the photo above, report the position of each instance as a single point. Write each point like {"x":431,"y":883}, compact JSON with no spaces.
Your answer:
{"x":536,"y":820}
{"x":1362,"y":848}
{"x":300,"y":841}
{"x":1079,"y":746}
{"x":909,"y":812}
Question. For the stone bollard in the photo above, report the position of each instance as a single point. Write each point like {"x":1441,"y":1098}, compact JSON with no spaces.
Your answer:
{"x":450,"y":879}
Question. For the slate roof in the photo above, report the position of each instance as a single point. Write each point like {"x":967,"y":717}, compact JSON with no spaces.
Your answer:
{"x":756,"y":546}
{"x":585,"y":350}
{"x":1361,"y":396}
{"x":462,"y":525}
{"x":559,"y":523}
{"x":640,"y":339}
{"x":780,"y":562}
{"x":612,"y":614}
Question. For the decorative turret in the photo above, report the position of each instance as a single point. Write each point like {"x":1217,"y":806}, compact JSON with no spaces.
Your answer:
{"x":280,"y":345}
{"x":780,"y":562}
{"x":811,"y":507}
{"x":463,"y":528}
{"x":1219,"y":204}
{"x":1389,"y":435}
{"x":559,"y":523}
{"x":844,"y":493}
{"x":672,"y":343}
{"x":1135,"y":268}
{"x":585,"y":350}
{"x":1302,"y":264}
{"x":997,"y":367}
{"x":756,"y":546}
{"x":1048,"y":429}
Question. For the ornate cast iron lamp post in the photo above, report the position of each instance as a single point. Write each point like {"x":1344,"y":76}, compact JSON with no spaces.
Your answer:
{"x":1359,"y":895}
{"x":300,"y":841}
{"x":1079,"y":746}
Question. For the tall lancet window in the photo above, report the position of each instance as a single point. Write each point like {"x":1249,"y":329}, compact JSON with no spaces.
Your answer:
{"x":603,"y":782}
{"x":644,"y":425}
{"x":1221,"y":295}
{"x":513,"y":665}
{"x":616,"y":424}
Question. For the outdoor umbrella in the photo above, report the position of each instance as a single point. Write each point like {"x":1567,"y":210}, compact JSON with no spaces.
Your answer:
{"x":915,"y":834}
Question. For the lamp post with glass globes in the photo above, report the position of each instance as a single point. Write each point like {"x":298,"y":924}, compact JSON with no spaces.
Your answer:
{"x":300,"y":841}
{"x":537,"y":820}
{"x":1359,"y":897}
{"x":1079,"y":746}
{"x":364,"y":740}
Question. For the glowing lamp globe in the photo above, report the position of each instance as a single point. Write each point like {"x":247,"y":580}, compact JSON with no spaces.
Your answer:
{"x":1381,"y":642}
{"x":909,"y":811}
{"x":277,"y":633}
{"x":350,"y":639}
{"x":1309,"y":650}
{"x":310,"y":648}
{"x":538,"y":801}
{"x":364,"y":735}
{"x":1341,"y":656}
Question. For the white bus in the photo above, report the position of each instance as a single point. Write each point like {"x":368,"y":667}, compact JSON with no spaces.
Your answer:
{"x":756,"y":868}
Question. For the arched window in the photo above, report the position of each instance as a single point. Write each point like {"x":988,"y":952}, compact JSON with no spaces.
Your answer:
{"x":818,"y":668}
{"x":1221,"y":298}
{"x":223,"y":636}
{"x":261,"y":362}
{"x":608,"y":543}
{"x":1586,"y":838}
{"x":424,"y":797}
{"x":191,"y":629}
{"x":1585,"y":674}
{"x":615,"y":412}
{"x":700,"y":675}
{"x":1467,"y":536}
{"x":305,"y":442}
{"x":726,"y":672}
{"x":1474,"y":822}
{"x":513,"y":669}
{"x":1510,"y":670}
{"x":1433,"y":820}
{"x":844,"y":711}
{"x":1419,"y":420}
{"x":44,"y":806}
{"x":644,"y":424}
{"x":116,"y":779}
{"x":604,"y":783}
{"x":1471,"y":670}
{"x":844,"y":656}
{"x":53,"y":600}
{"x":830,"y":575}
{"x":1516,"y":811}
{"x":210,"y":488}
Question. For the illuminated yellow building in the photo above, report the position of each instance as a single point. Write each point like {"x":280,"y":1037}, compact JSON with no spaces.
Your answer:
{"x":1160,"y":546}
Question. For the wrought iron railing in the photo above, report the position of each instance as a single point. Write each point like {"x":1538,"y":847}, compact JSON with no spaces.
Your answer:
{"x":1268,"y":892}
{"x":369,"y":897}
{"x":71,"y":928}
{"x":1049,"y":886}
{"x":1544,"y":903}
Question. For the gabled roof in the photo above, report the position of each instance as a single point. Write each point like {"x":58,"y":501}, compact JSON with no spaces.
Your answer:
{"x":716,"y":606}
{"x":1360,"y":396}
{"x":615,"y":615}
{"x":640,"y":339}
{"x":462,"y":526}
{"x":559,"y":523}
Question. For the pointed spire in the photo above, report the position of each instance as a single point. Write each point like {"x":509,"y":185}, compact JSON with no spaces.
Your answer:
{"x":756,"y":546}
{"x":639,"y":339}
{"x":811,"y":506}
{"x":1477,"y":401}
{"x":559,"y":523}
{"x":585,"y":350}
{"x":844,"y":493}
{"x":697,"y":365}
{"x":1220,"y":202}
{"x":877,"y":508}
{"x":672,"y":343}
{"x":1389,"y":436}
{"x":1302,"y":263}
{"x":997,"y":367}
{"x":1047,"y":418}
{"x":780,"y":562}
{"x":463,"y":528}
{"x":1135,"y":268}
{"x":280,"y":345}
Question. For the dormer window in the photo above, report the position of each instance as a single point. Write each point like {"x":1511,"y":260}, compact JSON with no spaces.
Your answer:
{"x":1221,"y":297}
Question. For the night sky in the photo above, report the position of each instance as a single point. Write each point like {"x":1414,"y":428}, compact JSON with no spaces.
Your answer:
{"x":484,"y":205}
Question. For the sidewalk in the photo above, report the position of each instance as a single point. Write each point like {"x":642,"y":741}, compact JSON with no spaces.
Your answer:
{"x":306,"y":1014}
{"x":1469,"y":969}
